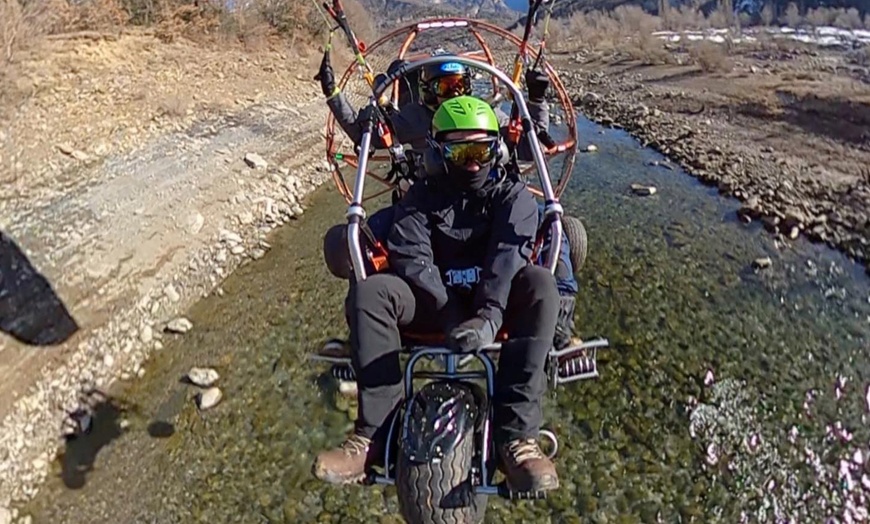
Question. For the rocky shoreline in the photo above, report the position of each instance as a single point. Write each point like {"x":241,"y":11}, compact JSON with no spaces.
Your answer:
{"x":222,"y":238}
{"x":778,"y":189}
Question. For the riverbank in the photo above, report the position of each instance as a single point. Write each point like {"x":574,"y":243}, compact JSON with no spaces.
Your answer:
{"x":785,"y":131}
{"x":137,"y":176}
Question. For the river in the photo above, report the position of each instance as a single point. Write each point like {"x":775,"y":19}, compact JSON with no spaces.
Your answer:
{"x":731,"y":393}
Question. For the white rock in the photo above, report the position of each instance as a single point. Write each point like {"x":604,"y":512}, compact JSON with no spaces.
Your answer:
{"x":179,"y":325}
{"x":230,"y":237}
{"x":591,"y":148}
{"x":171,"y":293}
{"x":237,"y":250}
{"x":255,"y":161}
{"x":203,"y":377}
{"x":81,"y":156}
{"x":762,"y":263}
{"x":195,"y":223}
{"x":5,"y":516}
{"x":642,"y":190}
{"x":209,"y":398}
{"x":146,"y":334}
{"x":245,"y":218}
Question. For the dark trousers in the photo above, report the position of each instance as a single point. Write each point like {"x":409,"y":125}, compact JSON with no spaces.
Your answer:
{"x":381,"y":305}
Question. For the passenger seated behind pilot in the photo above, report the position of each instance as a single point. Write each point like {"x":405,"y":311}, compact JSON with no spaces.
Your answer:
{"x":436,"y":83}
{"x":458,"y":255}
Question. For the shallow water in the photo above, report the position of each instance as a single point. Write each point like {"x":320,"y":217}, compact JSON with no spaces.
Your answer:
{"x":721,"y":378}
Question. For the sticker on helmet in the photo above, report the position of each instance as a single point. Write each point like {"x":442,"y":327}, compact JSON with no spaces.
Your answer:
{"x":452,"y":67}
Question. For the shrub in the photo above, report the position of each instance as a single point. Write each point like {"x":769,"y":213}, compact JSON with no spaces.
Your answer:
{"x":792,"y":16}
{"x":710,"y":57}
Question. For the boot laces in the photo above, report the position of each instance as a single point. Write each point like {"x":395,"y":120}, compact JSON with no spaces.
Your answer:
{"x":356,"y":445}
{"x":522,"y":450}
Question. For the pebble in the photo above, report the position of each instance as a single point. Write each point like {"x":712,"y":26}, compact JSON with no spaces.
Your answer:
{"x":179,"y":325}
{"x":203,"y":377}
{"x":195,"y":223}
{"x":237,"y":250}
{"x":209,"y":398}
{"x":171,"y":293}
{"x":642,"y":190}
{"x":591,"y":148}
{"x":762,"y":263}
{"x":5,"y":516}
{"x":255,"y":161}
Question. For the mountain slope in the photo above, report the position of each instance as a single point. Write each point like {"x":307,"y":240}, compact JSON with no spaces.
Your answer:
{"x":395,"y":10}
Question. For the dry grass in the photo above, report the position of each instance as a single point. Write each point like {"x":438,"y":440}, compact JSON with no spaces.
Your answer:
{"x":259,"y":25}
{"x":174,"y":105}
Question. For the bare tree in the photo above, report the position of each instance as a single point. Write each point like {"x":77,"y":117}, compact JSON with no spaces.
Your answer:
{"x":665,"y":13}
{"x":767,"y":14}
{"x":792,"y":17}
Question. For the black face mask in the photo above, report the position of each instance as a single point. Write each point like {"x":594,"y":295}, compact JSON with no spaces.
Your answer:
{"x":468,"y":181}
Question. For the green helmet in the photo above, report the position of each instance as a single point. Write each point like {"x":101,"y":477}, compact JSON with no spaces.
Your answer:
{"x":464,"y":113}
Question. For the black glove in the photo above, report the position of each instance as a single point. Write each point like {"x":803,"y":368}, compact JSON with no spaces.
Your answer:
{"x":545,"y":139}
{"x":471,"y":335}
{"x":326,"y":76}
{"x":537,"y":84}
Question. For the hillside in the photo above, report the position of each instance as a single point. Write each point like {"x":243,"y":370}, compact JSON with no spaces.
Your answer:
{"x":408,"y":10}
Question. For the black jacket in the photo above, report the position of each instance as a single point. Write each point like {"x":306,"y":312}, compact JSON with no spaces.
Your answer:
{"x":452,"y":248}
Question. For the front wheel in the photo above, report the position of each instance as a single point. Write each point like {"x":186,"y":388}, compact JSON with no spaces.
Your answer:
{"x":440,"y":492}
{"x":436,"y":455}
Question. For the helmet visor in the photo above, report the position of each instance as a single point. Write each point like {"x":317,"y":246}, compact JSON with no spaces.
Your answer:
{"x":449,"y":86}
{"x":461,"y":153}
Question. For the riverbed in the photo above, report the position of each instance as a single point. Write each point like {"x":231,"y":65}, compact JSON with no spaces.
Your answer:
{"x":731,"y":393}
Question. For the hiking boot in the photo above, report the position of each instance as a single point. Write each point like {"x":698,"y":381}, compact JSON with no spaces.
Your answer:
{"x":346,"y":464}
{"x":335,"y":351}
{"x":526,"y":467}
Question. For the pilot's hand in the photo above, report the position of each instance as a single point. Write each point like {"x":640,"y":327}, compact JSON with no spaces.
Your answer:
{"x":537,"y":83}
{"x":471,"y":335}
{"x":326,"y":76}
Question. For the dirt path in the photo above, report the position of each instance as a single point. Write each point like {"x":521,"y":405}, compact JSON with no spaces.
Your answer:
{"x":786,"y":132}
{"x":119,"y":213}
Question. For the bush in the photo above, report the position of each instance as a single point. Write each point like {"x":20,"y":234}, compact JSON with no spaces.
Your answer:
{"x":23,"y":22}
{"x":650,"y":50}
{"x":710,"y":57}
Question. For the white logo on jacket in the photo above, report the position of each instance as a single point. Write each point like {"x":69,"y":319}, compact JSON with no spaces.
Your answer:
{"x":463,"y":277}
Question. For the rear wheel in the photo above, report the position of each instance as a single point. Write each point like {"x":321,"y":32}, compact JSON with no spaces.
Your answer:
{"x":440,"y":492}
{"x":576,"y":233}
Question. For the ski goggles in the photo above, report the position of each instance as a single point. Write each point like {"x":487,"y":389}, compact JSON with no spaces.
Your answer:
{"x":462,"y":153}
{"x":449,"y":86}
